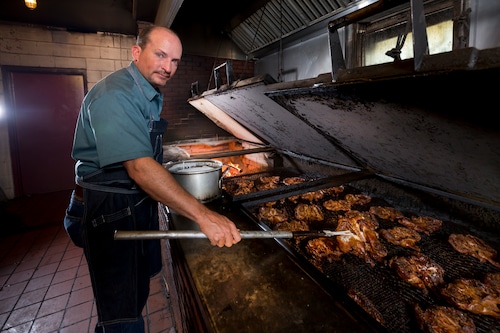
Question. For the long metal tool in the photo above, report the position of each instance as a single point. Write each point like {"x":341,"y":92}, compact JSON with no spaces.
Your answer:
{"x":177,"y":234}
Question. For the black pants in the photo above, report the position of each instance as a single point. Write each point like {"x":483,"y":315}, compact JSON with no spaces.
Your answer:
{"x":120,"y":270}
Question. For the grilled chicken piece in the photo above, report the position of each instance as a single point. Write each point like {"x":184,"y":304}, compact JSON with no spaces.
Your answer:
{"x":244,"y":187}
{"x":309,"y":196}
{"x":363,"y":242}
{"x":357,"y":199}
{"x":313,"y":195}
{"x":386,"y":213}
{"x":402,"y":236}
{"x":362,"y":216}
{"x":323,"y":248}
{"x":473,"y":246}
{"x":337,"y":205}
{"x":309,"y":212}
{"x":367,"y":305}
{"x":268,"y":183}
{"x":492,"y":280}
{"x":334,"y":190}
{"x":419,"y":271}
{"x":292,"y":225}
{"x":269,"y":179}
{"x":293,"y":180}
{"x":293,"y":198}
{"x":272,"y":214}
{"x":473,"y":296}
{"x":425,"y":224}
{"x":444,"y":319}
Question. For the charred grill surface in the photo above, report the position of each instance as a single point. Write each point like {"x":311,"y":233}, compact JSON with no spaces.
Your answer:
{"x":375,"y":286}
{"x":288,"y":182}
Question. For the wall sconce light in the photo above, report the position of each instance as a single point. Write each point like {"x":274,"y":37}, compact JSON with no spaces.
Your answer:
{"x":31,"y":4}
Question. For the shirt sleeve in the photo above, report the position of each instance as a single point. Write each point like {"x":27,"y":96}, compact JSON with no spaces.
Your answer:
{"x":120,"y":128}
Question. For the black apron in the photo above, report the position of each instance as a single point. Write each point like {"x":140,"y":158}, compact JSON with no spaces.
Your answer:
{"x":120,"y":270}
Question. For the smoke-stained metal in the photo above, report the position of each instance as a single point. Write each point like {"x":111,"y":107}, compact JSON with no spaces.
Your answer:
{"x":338,"y":62}
{"x":420,"y":43}
{"x":371,"y":118}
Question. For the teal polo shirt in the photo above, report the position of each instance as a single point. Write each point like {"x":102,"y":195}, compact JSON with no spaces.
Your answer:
{"x":113,"y":124}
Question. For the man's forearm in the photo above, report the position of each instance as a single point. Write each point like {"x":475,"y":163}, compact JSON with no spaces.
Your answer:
{"x":156,"y":181}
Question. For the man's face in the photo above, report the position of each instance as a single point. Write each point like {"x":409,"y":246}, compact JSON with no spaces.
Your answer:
{"x":159,"y":59}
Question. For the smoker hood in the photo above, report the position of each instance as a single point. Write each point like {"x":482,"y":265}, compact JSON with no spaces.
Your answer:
{"x":433,"y":128}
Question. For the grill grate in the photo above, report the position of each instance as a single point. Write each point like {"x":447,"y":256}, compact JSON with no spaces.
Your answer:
{"x":392,"y":298}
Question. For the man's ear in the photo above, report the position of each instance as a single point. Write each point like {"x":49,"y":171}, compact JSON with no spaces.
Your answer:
{"x":136,"y":51}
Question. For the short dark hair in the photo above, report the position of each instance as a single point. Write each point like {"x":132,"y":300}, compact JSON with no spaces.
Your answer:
{"x":143,"y":36}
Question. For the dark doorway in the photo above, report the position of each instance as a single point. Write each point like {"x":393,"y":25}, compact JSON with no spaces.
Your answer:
{"x":43,"y":106}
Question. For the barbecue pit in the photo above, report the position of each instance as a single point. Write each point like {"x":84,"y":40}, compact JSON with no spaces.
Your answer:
{"x":393,"y":138}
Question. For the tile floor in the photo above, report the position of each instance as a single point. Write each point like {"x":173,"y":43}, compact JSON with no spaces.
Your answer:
{"x":44,"y":280}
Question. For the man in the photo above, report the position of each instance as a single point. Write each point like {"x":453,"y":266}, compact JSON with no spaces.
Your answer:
{"x":118,"y":149}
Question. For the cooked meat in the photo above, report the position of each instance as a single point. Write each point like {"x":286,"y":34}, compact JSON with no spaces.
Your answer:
{"x":294,"y":198}
{"x":423,"y":224}
{"x":293,"y":180}
{"x":363,"y":242}
{"x":323,"y":248}
{"x":367,"y":305}
{"x":386,"y":213}
{"x":492,"y":280}
{"x":269,"y":179}
{"x":473,"y":246}
{"x":244,"y":187}
{"x":364,"y":216}
{"x":337,"y":205}
{"x":473,"y":296}
{"x":357,"y":199}
{"x":308,"y":196}
{"x":313,"y":195}
{"x":267,"y":183}
{"x":334,"y":190}
{"x":272,"y":214}
{"x":444,"y":319}
{"x":309,"y":212}
{"x":292,"y":225}
{"x":419,"y":271}
{"x":402,"y":236}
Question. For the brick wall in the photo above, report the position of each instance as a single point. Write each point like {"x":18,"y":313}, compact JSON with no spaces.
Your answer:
{"x":185,"y":121}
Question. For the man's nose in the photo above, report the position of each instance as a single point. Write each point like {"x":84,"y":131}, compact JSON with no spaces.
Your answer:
{"x":167,"y":66}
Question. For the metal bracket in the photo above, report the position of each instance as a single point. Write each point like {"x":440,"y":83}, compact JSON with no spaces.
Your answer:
{"x":338,"y":62}
{"x":396,"y":51}
{"x":195,"y":88}
{"x":229,"y":74}
{"x":420,"y":44}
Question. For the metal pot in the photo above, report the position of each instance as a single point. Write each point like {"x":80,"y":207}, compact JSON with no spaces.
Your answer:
{"x":200,"y":177}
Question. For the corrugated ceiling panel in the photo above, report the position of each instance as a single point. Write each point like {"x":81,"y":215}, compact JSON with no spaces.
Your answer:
{"x":280,"y":18}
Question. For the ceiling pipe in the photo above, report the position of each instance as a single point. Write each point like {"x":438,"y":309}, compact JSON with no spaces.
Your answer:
{"x":167,"y":11}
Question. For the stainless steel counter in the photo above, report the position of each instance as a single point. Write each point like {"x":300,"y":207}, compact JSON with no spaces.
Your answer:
{"x":254,"y":286}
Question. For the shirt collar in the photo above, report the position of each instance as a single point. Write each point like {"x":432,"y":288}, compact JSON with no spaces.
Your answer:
{"x":145,"y":87}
